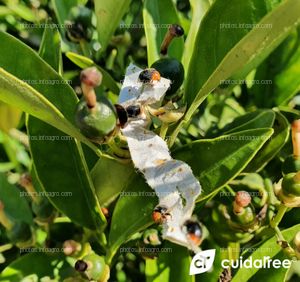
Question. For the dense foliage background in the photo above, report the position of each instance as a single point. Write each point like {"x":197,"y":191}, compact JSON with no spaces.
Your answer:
{"x":63,"y":197}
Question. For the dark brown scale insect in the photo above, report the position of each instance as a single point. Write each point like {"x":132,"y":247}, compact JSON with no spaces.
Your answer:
{"x":160,"y":214}
{"x":193,"y":231}
{"x":148,"y":76}
{"x":122,"y":115}
{"x":133,"y":111}
{"x":81,"y":266}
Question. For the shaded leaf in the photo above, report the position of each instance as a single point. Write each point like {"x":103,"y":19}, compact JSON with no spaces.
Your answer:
{"x":173,"y":264}
{"x":109,"y":15}
{"x":158,"y":14}
{"x":84,"y":62}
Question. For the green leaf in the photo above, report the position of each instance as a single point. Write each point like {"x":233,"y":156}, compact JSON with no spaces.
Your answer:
{"x":50,"y":49}
{"x":19,"y":94}
{"x":282,"y":68}
{"x":252,"y":120}
{"x":38,"y":265}
{"x":131,"y":214}
{"x":199,"y":8}
{"x":81,"y":183}
{"x":12,"y":197}
{"x":84,"y":62}
{"x":239,"y":56}
{"x":64,"y":170}
{"x":269,"y":248}
{"x":158,"y":14}
{"x":109,"y":15}
{"x":21,"y":10}
{"x":62,"y":9}
{"x":215,"y":42}
{"x":273,"y":146}
{"x":216,"y":161}
{"x":110,"y":178}
{"x":170,"y":266}
{"x":9,"y":117}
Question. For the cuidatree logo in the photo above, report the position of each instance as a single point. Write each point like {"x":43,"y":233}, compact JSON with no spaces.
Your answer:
{"x":202,"y":261}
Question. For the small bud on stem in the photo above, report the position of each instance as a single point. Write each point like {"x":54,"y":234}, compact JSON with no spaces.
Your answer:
{"x":4,"y":219}
{"x":90,"y":78}
{"x":242,"y":200}
{"x":26,"y":182}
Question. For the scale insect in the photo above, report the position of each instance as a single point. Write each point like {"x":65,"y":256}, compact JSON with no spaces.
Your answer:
{"x":193,"y":231}
{"x":124,"y":114}
{"x":160,"y":214}
{"x":149,"y":76}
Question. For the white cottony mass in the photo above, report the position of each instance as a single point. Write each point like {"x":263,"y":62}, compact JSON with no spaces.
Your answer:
{"x":173,"y":181}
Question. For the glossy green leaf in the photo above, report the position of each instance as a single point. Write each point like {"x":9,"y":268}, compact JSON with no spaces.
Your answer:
{"x":217,"y":39}
{"x":58,"y":175}
{"x":62,"y":9}
{"x":38,"y":265}
{"x":109,"y":15}
{"x":273,"y":146}
{"x":12,"y":197}
{"x":132,"y":213}
{"x":110,"y":178}
{"x":158,"y":14}
{"x":50,"y":49}
{"x":9,"y":116}
{"x":217,"y":161}
{"x":269,"y":248}
{"x":199,"y":8}
{"x":282,"y":68}
{"x":252,"y":120}
{"x":84,"y":62}
{"x":172,"y":265}
{"x":15,"y":92}
{"x":240,"y":55}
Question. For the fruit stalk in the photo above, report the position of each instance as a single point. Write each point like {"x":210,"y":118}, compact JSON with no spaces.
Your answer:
{"x":296,"y":138}
{"x":173,"y":31}
{"x":90,"y":78}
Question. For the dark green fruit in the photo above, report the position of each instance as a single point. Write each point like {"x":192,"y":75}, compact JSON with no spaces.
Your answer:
{"x":76,"y":32}
{"x":94,"y":266}
{"x":19,"y":233}
{"x":183,"y":5}
{"x":79,"y":25}
{"x":246,"y":216}
{"x":43,"y":209}
{"x":171,"y":69}
{"x":81,"y":14}
{"x":98,"y":122}
{"x":291,"y":164}
{"x":291,"y":184}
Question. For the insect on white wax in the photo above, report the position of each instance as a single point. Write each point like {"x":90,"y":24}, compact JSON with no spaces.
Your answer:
{"x":173,"y":181}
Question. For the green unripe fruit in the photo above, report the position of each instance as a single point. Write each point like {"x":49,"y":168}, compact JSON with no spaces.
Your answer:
{"x":94,"y":267}
{"x":82,"y":15}
{"x":98,"y":122}
{"x":42,"y":209}
{"x":291,"y":184}
{"x":171,"y":69}
{"x":20,"y":232}
{"x":245,"y":217}
{"x":291,"y":164}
